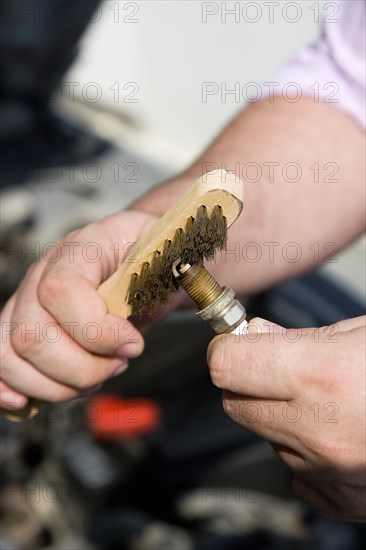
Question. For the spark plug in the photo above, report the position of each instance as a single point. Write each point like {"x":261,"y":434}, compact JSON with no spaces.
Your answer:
{"x":216,"y":305}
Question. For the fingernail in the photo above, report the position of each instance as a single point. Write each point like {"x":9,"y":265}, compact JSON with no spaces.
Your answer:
{"x":263,"y":325}
{"x":11,"y":401}
{"x":120,"y":369}
{"x":91,"y":390}
{"x":131,"y":349}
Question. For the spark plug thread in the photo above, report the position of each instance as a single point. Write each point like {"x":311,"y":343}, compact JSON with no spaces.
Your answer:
{"x":199,"y":284}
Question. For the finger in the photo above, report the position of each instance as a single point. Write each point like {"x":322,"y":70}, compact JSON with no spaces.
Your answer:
{"x":257,"y":367}
{"x":67,"y":289}
{"x":317,"y":500}
{"x":81,"y":311}
{"x":21,"y":376}
{"x":275,"y":365}
{"x":347,"y":324}
{"x":27,"y":380}
{"x":119,"y":336}
{"x":45,"y":345}
{"x":10,"y":398}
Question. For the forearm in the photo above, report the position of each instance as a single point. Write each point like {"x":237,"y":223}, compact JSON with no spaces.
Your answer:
{"x":281,"y":151}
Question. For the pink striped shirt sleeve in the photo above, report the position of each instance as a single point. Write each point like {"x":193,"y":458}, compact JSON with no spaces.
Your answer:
{"x":333,"y":69}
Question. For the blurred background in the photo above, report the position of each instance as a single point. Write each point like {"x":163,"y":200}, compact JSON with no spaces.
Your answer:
{"x":100,"y":101}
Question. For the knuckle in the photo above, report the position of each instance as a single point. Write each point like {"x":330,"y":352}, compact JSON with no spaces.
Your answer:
{"x":52,"y":285}
{"x":70,"y":236}
{"x":326,"y":449}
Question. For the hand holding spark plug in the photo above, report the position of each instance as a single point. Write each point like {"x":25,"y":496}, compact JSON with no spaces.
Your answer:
{"x":299,"y":394}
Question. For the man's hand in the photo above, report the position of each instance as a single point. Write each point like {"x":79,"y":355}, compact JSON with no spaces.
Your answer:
{"x":58,"y":340}
{"x":304,"y":391}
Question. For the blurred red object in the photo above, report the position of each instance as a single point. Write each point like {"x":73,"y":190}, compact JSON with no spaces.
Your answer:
{"x":112,"y":417}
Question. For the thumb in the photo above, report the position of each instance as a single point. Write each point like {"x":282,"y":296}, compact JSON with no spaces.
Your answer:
{"x":272,"y":362}
{"x":258,"y":364}
{"x":350,"y":324}
{"x":11,"y":399}
{"x":259,"y":325}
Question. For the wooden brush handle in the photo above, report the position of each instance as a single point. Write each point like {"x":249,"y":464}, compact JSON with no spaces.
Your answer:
{"x":214,"y":188}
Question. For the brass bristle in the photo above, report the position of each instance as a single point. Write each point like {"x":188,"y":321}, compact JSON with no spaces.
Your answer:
{"x":133,"y":293}
{"x":187,"y":240}
{"x":219,"y":224}
{"x":199,"y":240}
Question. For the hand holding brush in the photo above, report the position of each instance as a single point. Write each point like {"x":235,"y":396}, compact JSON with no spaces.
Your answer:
{"x":171,"y":254}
